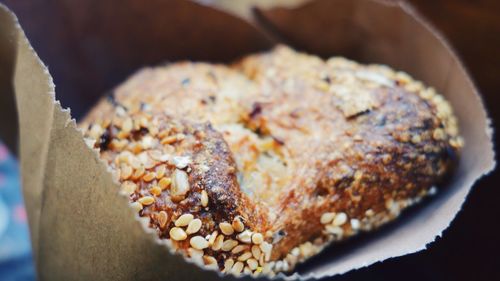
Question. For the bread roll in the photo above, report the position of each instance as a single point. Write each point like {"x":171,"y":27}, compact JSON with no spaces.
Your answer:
{"x":257,"y":166}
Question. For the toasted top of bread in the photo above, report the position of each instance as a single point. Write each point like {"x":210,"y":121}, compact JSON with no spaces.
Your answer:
{"x":282,"y":148}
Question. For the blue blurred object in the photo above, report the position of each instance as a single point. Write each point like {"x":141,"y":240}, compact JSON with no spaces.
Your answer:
{"x":15,"y":249}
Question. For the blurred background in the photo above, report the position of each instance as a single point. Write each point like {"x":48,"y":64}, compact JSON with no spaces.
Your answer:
{"x":469,"y":248}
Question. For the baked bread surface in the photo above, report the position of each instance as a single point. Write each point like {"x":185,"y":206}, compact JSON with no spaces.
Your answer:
{"x":259,"y":165}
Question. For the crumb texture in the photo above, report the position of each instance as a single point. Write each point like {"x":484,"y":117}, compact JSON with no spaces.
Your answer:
{"x":254,"y":167}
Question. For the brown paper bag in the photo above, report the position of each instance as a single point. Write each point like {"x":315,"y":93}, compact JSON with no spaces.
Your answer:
{"x":82,"y":229}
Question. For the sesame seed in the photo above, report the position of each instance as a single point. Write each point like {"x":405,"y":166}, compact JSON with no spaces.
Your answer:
{"x":392,"y":206}
{"x":416,"y":139}
{"x":438,"y":134}
{"x":339,"y":219}
{"x":149,"y":176}
{"x":327,"y":218}
{"x":193,"y":226}
{"x":355,"y":224}
{"x":128,"y":187}
{"x":198,"y":242}
{"x":195,"y":253}
{"x":123,"y":157}
{"x":457,"y":142}
{"x":237,"y":268}
{"x":177,"y":234}
{"x":219,"y":242}
{"x":181,"y":162}
{"x":358,"y":175}
{"x":404,"y":137}
{"x":295,"y":251}
{"x":155,"y":154}
{"x":164,"y":183}
{"x":357,"y":137}
{"x":257,"y":271}
{"x":278,"y":266}
{"x":164,"y":158}
{"x":168,"y":140}
{"x":238,"y":224}
{"x":252,"y":264}
{"x":95,"y":131}
{"x":226,"y":228}
{"x":286,"y":266}
{"x":256,"y":251}
{"x":239,"y":249}
{"x":125,"y":172}
{"x":228,"y":264}
{"x":369,"y":213}
{"x":257,"y":238}
{"x":138,"y":173}
{"x":306,"y":249}
{"x":143,"y":122}
{"x":204,"y":198}
{"x":228,"y":245}
{"x":212,"y":237}
{"x":134,"y":161}
{"x":160,"y":172}
{"x":136,"y":148}
{"x":266,"y":269}
{"x":118,"y":144}
{"x":155,"y":190}
{"x":335,"y":230}
{"x":245,"y":236}
{"x":291,"y":259}
{"x":150,"y":164}
{"x":266,"y":248}
{"x":146,"y":200}
{"x":180,"y":185}
{"x":147,"y":142}
{"x":163,"y":133}
{"x":427,"y":93}
{"x":245,"y":256}
{"x":386,"y":159}
{"x":127,"y":125}
{"x":162,"y":218}
{"x":432,"y":191}
{"x":184,"y":220}
{"x":136,"y":206}
{"x":209,"y":260}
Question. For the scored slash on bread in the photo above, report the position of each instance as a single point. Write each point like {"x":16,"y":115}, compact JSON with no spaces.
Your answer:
{"x":257,"y":166}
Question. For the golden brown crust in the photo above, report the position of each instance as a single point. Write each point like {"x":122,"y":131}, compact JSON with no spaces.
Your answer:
{"x":301,"y":151}
{"x":364,"y":140}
